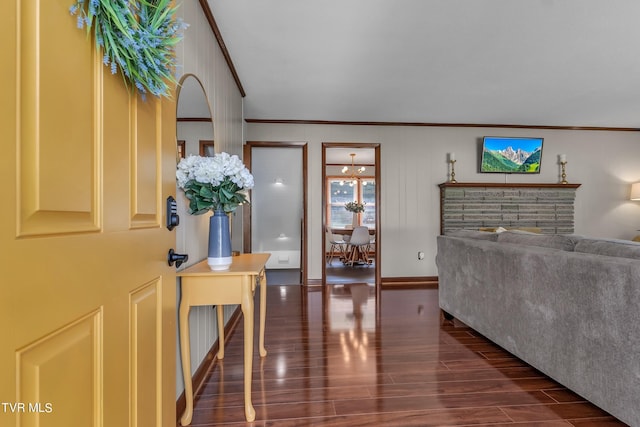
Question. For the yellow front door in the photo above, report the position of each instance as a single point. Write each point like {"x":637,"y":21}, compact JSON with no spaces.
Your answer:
{"x":87,"y":300}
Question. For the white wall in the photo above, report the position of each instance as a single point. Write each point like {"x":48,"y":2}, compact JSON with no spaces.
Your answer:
{"x":200,"y":55}
{"x":414,"y":162}
{"x":192,"y":133}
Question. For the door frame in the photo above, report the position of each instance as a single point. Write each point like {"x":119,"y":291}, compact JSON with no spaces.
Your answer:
{"x":246,"y":213}
{"x":376,"y":148}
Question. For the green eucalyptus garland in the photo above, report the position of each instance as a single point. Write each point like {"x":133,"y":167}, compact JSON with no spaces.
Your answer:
{"x":137,"y":37}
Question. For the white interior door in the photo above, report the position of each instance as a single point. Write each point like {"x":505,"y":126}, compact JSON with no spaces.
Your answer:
{"x":277,"y":205}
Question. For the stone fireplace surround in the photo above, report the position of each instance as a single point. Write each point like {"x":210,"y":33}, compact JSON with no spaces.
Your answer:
{"x":476,"y":205}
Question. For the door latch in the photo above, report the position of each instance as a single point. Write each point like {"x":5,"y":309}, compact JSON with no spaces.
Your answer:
{"x":173,"y":219}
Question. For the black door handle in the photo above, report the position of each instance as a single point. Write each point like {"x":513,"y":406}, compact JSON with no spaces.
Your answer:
{"x":177,"y":258}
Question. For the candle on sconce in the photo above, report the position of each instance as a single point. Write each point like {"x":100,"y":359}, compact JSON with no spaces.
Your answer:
{"x":452,"y":161}
{"x":563,"y":173}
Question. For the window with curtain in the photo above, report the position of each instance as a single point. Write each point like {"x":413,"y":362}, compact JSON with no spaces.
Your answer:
{"x":342,"y":191}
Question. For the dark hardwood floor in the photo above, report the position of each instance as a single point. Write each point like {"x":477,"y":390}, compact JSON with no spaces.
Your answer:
{"x":333,"y":360}
{"x":338,"y":273}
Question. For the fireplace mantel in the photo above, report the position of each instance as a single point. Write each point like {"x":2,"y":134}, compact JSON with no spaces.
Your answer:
{"x":500,"y":185}
{"x":475,"y":205}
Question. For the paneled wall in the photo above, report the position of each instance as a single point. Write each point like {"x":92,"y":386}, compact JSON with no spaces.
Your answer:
{"x":200,"y":55}
{"x":414,"y":162}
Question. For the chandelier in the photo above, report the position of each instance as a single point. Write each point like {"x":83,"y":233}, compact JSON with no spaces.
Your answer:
{"x":353,"y":172}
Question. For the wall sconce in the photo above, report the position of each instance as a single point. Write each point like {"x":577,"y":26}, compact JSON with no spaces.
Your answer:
{"x":278,"y":181}
{"x":635,"y":191}
{"x":563,"y":165}
{"x":452,"y":162}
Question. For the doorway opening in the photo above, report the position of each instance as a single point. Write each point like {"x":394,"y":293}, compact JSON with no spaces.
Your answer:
{"x":276,"y":220}
{"x":350,"y":200}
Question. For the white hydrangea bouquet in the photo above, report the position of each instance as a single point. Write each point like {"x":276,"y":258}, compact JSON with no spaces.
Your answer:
{"x":214,"y":183}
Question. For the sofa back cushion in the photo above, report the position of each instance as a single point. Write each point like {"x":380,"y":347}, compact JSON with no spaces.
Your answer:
{"x":473,"y":234}
{"x":609,"y":247}
{"x":556,"y":241}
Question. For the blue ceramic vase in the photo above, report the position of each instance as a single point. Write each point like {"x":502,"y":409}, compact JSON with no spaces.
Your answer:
{"x":219,"y":256}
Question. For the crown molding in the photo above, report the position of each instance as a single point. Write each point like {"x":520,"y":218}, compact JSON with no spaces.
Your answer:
{"x":455,"y":125}
{"x":194,"y":119}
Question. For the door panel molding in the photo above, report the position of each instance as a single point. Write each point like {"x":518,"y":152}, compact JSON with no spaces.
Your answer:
{"x":146,"y":162}
{"x":61,"y":373}
{"x":58,"y":141}
{"x":145,"y":320}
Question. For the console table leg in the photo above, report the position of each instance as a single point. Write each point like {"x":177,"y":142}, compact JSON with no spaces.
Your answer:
{"x":263,"y":311}
{"x":185,"y":353}
{"x":247,"y":312}
{"x":220,"y":316}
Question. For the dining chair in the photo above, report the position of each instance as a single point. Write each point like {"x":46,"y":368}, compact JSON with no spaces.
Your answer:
{"x":337,"y":246}
{"x":371,"y":249}
{"x":358,"y":246}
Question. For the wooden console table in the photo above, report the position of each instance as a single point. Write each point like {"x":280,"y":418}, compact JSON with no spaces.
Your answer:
{"x":202,"y":286}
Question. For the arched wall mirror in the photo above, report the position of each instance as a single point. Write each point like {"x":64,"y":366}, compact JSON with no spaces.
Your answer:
{"x":194,"y":124}
{"x":194,"y":119}
{"x":194,"y":127}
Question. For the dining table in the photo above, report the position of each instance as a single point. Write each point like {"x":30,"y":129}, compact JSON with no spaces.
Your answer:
{"x":344,"y":231}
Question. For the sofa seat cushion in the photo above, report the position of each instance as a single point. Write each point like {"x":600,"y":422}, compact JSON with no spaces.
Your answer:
{"x":555,"y":241}
{"x":609,"y":247}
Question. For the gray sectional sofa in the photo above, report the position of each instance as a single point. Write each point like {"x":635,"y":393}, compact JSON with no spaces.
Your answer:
{"x":567,"y":305}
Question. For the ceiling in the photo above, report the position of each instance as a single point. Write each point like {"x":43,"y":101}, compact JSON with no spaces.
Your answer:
{"x":342,"y":156}
{"x":501,"y":62}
